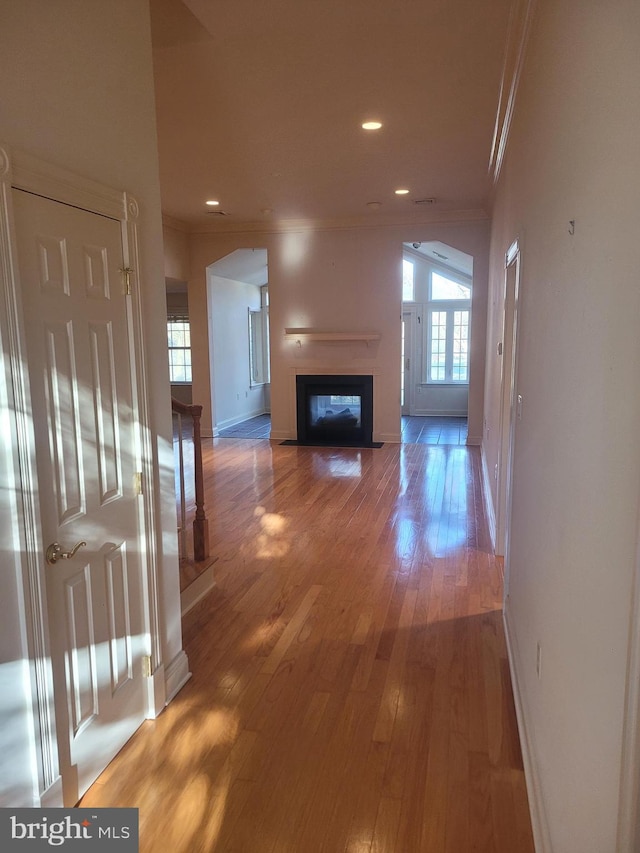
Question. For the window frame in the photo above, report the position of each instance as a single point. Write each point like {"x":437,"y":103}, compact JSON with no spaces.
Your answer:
{"x":407,"y":260}
{"x":449,"y":307}
{"x":181,"y":319}
{"x":259,"y":342}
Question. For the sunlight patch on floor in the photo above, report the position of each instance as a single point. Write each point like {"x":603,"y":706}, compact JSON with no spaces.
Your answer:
{"x":271,"y":542}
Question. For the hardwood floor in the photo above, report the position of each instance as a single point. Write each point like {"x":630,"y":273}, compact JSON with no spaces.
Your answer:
{"x":350,"y":686}
{"x":429,"y":429}
{"x":434,"y":430}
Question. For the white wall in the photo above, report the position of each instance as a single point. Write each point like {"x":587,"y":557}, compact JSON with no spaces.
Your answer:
{"x":77,"y":91}
{"x":573,"y":155}
{"x":338,"y":280}
{"x":176,"y":250}
{"x":234,"y":399}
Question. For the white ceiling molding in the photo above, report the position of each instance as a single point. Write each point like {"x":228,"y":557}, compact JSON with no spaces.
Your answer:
{"x":520,"y":21}
{"x":176,"y":224}
{"x":450,"y":217}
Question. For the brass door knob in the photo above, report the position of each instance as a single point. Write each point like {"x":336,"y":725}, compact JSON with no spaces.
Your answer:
{"x":55,"y":552}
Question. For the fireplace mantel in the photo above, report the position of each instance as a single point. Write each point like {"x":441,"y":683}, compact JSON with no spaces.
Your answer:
{"x":318,"y":335}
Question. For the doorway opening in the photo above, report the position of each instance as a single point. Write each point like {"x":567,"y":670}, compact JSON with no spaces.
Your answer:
{"x":239,"y":349}
{"x":437,"y":288}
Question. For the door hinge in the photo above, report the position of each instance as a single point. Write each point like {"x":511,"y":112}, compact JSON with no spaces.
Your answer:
{"x":126,"y":275}
{"x":146,"y":666}
{"x":137,"y":483}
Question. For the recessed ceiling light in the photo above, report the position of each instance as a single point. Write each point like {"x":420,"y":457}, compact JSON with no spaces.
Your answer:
{"x":371,"y":125}
{"x":212,"y":203}
{"x":402,"y":192}
{"x":374,"y":205}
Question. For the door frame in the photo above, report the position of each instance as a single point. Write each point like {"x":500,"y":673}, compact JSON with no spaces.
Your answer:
{"x":414,"y":355}
{"x":19,"y":170}
{"x":511,"y":296}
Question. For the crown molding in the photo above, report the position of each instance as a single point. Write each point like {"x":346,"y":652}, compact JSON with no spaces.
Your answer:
{"x":447,"y":217}
{"x":48,"y":180}
{"x":177,"y":224}
{"x":520,"y":21}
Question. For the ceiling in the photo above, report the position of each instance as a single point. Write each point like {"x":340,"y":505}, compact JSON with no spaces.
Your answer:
{"x":260,"y":105}
{"x":246,"y":265}
{"x":442,"y":254}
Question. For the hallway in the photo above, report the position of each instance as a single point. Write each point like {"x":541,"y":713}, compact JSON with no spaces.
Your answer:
{"x":350,"y":686}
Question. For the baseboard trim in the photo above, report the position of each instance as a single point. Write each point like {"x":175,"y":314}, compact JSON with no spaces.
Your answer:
{"x":176,"y":675}
{"x":390,"y":437}
{"x":156,"y":693}
{"x":240,"y":419}
{"x":488,"y":500}
{"x":440,"y":413}
{"x":197,"y":590}
{"x":539,"y":826}
{"x":51,"y":798}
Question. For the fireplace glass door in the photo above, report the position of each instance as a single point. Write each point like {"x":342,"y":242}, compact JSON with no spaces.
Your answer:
{"x":335,"y":410}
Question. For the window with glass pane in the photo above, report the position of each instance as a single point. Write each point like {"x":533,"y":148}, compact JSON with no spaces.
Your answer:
{"x":460,"y":367}
{"x":448,"y":329}
{"x":408,"y":281}
{"x":438,"y":349}
{"x":445,"y":289}
{"x":179,"y":338}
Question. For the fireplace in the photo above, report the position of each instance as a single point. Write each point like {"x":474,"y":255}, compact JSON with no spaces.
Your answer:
{"x":335,"y":410}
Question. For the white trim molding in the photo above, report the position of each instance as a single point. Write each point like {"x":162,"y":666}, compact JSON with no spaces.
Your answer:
{"x":520,"y":21}
{"x":629,"y":802}
{"x":145,"y":449}
{"x":197,"y":590}
{"x":488,"y":500}
{"x":28,"y":535}
{"x":176,"y":675}
{"x":539,"y":825}
{"x":304,"y":334}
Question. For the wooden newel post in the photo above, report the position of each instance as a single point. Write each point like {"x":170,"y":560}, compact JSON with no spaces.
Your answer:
{"x":200,"y":523}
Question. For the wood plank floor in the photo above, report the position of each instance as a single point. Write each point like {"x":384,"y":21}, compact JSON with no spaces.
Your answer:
{"x":350,"y":686}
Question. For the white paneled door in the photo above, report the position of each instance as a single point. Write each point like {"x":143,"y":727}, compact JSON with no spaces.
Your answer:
{"x":79,"y":363}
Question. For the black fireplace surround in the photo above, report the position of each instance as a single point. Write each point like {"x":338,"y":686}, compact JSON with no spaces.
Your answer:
{"x":335,"y":410}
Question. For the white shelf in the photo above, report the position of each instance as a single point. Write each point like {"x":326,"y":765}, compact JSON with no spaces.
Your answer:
{"x":318,"y":335}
